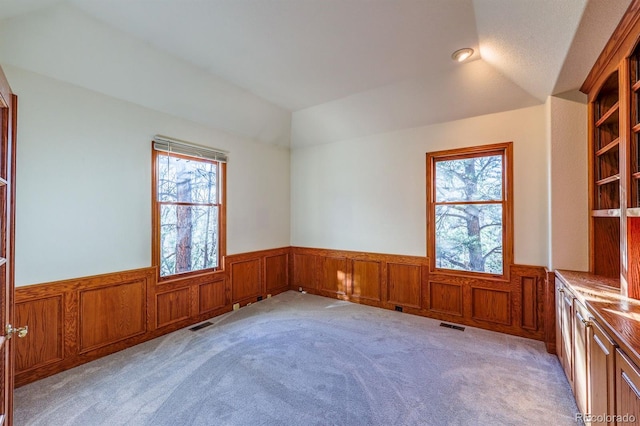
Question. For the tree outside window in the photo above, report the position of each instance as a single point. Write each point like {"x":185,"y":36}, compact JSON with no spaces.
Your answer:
{"x":188,"y":209}
{"x":470,"y":209}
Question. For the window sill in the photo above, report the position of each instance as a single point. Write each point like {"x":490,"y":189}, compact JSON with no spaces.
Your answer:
{"x":191,"y":276}
{"x":468,"y":274}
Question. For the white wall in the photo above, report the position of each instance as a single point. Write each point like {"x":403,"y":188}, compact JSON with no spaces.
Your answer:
{"x":84,"y":182}
{"x":569,"y":189}
{"x":369,"y":194}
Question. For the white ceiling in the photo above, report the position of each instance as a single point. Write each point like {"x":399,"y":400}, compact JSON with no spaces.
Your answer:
{"x":354,"y":67}
{"x":297,"y":53}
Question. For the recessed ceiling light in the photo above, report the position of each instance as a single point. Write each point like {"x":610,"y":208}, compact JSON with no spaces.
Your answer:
{"x":461,"y":55}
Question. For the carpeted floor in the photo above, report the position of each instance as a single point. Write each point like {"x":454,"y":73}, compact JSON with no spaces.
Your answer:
{"x":298,"y":359}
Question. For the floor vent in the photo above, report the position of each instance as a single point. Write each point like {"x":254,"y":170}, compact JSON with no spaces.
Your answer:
{"x":259,"y":298}
{"x":455,"y":327}
{"x":399,"y":308}
{"x":201,"y":326}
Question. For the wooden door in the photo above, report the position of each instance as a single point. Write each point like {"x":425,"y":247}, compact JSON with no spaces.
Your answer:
{"x":8,"y":106}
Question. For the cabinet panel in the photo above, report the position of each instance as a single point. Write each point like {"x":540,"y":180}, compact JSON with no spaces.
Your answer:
{"x":601,"y":373}
{"x":567,"y":335}
{"x":627,"y":387}
{"x":559,"y":337}
{"x":580,"y":327}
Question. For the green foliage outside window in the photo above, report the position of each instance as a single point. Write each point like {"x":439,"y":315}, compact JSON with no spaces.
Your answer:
{"x":469,"y":214}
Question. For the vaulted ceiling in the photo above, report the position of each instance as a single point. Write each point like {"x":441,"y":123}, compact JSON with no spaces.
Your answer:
{"x":338,"y":69}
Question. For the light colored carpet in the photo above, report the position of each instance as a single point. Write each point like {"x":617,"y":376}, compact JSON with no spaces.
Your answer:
{"x":298,"y":359}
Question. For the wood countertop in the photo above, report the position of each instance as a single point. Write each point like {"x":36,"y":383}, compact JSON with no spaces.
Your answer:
{"x":617,"y":314}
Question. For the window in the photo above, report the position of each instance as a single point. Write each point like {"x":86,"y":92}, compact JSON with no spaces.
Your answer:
{"x":470,"y":209}
{"x":189,"y":213}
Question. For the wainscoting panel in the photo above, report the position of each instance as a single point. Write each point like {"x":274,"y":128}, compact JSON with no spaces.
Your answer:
{"x":75,"y":321}
{"x":111,"y":314}
{"x":445,"y":298}
{"x":172,"y":306}
{"x":333,"y":279}
{"x":45,"y":344}
{"x":529,"y":303}
{"x":404,"y":284}
{"x":304,"y":271}
{"x":491,"y":305}
{"x":514,"y":306}
{"x":212,"y":296}
{"x":246,"y":279}
{"x":276,"y":273}
{"x":366,"y":281}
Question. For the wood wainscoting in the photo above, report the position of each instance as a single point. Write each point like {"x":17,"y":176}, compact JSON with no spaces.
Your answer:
{"x":394,"y":281}
{"x":75,"y":321}
{"x":78,"y":320}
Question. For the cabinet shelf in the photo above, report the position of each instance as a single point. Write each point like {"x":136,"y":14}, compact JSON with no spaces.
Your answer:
{"x":636,"y":128}
{"x":610,"y":179}
{"x":606,"y":213}
{"x":636,"y":86}
{"x":608,"y":115}
{"x":608,"y":147}
{"x":633,"y":212}
{"x":635,"y":175}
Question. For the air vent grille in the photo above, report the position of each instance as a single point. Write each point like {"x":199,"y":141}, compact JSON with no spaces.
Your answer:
{"x":455,"y":327}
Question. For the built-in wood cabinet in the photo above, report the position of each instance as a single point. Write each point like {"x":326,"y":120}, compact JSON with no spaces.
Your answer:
{"x":597,"y":312}
{"x":593,"y":323}
{"x":613,"y":89}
